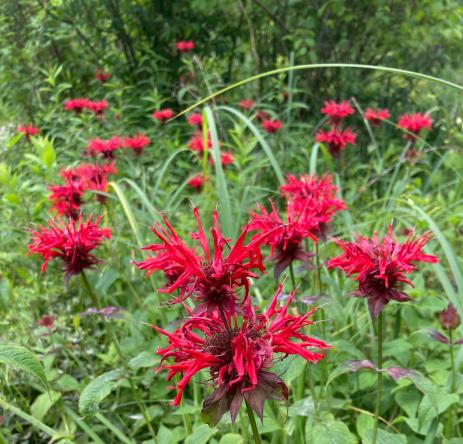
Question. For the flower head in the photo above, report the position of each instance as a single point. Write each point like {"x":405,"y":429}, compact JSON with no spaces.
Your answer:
{"x":28,"y":130}
{"x":185,"y":45}
{"x":195,"y":119}
{"x":66,"y":199}
{"x":316,"y":196}
{"x":336,"y":112}
{"x":449,"y":318}
{"x":77,"y":105}
{"x":98,"y":107}
{"x":163,"y":115}
{"x":72,"y":242}
{"x":102,"y":76}
{"x":285,"y":237}
{"x":47,"y":321}
{"x":271,"y":125}
{"x":246,"y":103}
{"x":414,"y":123}
{"x":263,"y":115}
{"x":337,"y":139}
{"x":137,"y":143}
{"x":380,"y":266}
{"x":197,"y":182}
{"x":212,"y":277}
{"x":375,"y":117}
{"x":196,"y":142}
{"x":105,"y":148}
{"x":239,"y":357}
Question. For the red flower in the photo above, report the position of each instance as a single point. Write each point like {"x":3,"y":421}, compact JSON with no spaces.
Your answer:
{"x":375,"y":117}
{"x":72,"y":242}
{"x":247,"y":103}
{"x":185,"y":45}
{"x":263,"y":115}
{"x":337,"y":139}
{"x":449,"y":318}
{"x":226,"y":158}
{"x":196,"y":142}
{"x":163,"y":115}
{"x":380,"y":266}
{"x":337,"y":111}
{"x":103,"y":147}
{"x":137,"y":143}
{"x":98,"y":107}
{"x":195,"y":119}
{"x":196,"y":182}
{"x":314,"y":195}
{"x":101,"y":76}
{"x":211,"y":277}
{"x":47,"y":321}
{"x":271,"y":126}
{"x":76,"y":105}
{"x":67,"y":199}
{"x":414,"y":123}
{"x":239,"y":357}
{"x":28,"y":130}
{"x":284,"y":237}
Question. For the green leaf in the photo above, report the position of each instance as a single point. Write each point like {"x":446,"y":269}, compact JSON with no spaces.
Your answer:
{"x":384,"y":437}
{"x":96,"y":391}
{"x":231,"y":438}
{"x":145,"y":359}
{"x":43,"y":404}
{"x":292,"y":369}
{"x":333,"y":432}
{"x":21,"y":358}
{"x":201,"y":434}
{"x":67,"y":383}
{"x":302,"y":407}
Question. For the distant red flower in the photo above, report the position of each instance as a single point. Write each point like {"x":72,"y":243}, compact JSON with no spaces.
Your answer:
{"x":105,"y":148}
{"x":449,"y":318}
{"x":185,"y":45}
{"x":102,"y":76}
{"x":336,"y":112}
{"x":47,"y":321}
{"x":380,"y":266}
{"x":314,"y":195}
{"x":195,"y":119}
{"x":197,"y":182}
{"x":196,"y":142}
{"x":76,"y":105}
{"x":239,"y":358}
{"x":72,"y":242}
{"x":163,"y":115}
{"x":98,"y":107}
{"x":337,"y":139}
{"x":66,"y":199}
{"x":227,"y":158}
{"x":247,"y":103}
{"x":285,"y":237}
{"x":263,"y":115}
{"x":211,"y":278}
{"x":414,"y":123}
{"x":272,"y":125}
{"x":375,"y":117}
{"x":137,"y":143}
{"x":28,"y":130}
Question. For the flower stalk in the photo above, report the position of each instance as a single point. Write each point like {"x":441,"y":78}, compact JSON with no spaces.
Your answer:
{"x":379,"y":365}
{"x":252,"y":421}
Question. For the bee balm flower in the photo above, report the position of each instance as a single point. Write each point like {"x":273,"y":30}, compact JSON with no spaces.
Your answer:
{"x":271,"y":125}
{"x":28,"y":131}
{"x":375,"y":117}
{"x":337,"y":139}
{"x":185,"y":45}
{"x":414,"y":123}
{"x":163,"y":115}
{"x":380,"y":266}
{"x":336,"y":112}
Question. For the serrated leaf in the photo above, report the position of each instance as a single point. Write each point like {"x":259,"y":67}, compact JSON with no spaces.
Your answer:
{"x":43,"y":404}
{"x":96,"y":391}
{"x":21,"y":358}
{"x":201,"y":434}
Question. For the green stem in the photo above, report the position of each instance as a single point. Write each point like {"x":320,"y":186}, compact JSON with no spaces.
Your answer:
{"x":379,"y":383}
{"x":252,"y":420}
{"x":291,"y":274}
{"x":398,"y":318}
{"x":449,"y":425}
{"x":90,"y":292}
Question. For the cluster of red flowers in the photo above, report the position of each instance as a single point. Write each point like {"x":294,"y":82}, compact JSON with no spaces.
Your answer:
{"x":28,"y":131}
{"x":185,"y":45}
{"x":336,"y":137}
{"x":414,"y":124}
{"x":163,"y":115}
{"x":80,"y":104}
{"x":106,"y":148}
{"x":223,"y":333}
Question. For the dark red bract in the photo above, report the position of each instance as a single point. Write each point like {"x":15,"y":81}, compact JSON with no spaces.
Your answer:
{"x":70,"y":241}
{"x":239,"y":356}
{"x":449,"y":318}
{"x":380,"y":266}
{"x":211,"y":277}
